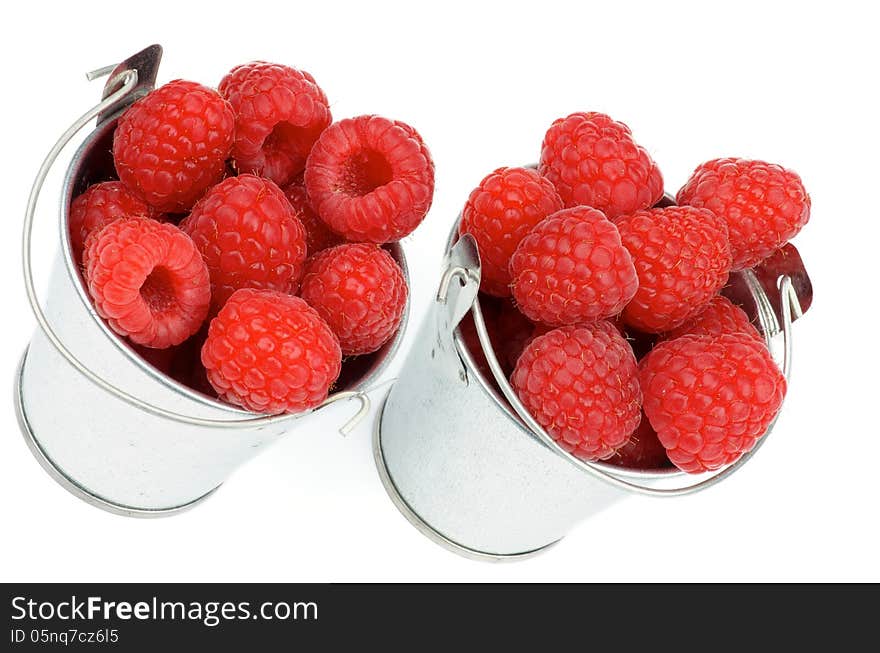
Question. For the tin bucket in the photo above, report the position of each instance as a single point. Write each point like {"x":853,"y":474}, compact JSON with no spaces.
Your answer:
{"x":104,"y":423}
{"x":469,"y":467}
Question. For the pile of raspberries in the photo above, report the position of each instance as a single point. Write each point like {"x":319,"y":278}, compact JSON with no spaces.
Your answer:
{"x":602,"y":296}
{"x":240,"y":250}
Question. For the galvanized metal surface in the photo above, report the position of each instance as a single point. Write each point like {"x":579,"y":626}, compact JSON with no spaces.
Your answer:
{"x":476,"y":473}
{"x":474,"y":477}
{"x":107,"y":425}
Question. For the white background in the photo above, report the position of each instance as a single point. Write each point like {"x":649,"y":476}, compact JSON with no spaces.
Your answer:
{"x":792,"y":83}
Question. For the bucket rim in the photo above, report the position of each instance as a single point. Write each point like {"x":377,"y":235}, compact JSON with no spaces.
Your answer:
{"x":72,"y":179}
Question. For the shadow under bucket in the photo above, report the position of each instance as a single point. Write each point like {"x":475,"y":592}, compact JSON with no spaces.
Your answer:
{"x":467,"y":465}
{"x":105,"y":424}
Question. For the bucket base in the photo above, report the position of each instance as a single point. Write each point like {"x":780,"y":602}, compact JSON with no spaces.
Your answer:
{"x":68,"y":483}
{"x":422,"y":526}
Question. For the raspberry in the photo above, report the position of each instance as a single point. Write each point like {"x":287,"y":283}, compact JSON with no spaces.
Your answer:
{"x":643,"y":450}
{"x":148,"y":281}
{"x":594,"y":161}
{"x":719,"y":316}
{"x":171,"y":145}
{"x":710,"y":398}
{"x":682,"y":259}
{"x":370,"y":179}
{"x":360,"y":291}
{"x":572,"y":268}
{"x":97,"y":207}
{"x":318,"y":235}
{"x":249,"y":235}
{"x":763,"y":204}
{"x":499,"y":213}
{"x":270,"y":353}
{"x":581,"y":384}
{"x":279,"y":114}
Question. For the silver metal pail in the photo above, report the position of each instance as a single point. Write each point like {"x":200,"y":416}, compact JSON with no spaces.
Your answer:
{"x":464,"y":461}
{"x":104,"y":423}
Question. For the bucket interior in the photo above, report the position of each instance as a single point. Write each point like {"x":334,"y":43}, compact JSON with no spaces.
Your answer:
{"x":93,"y":163}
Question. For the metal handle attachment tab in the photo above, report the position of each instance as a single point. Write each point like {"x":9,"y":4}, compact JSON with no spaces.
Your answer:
{"x":454,"y":300}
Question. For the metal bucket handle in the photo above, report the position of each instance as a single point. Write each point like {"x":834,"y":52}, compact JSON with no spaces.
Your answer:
{"x":124,"y":79}
{"x":465,"y":265}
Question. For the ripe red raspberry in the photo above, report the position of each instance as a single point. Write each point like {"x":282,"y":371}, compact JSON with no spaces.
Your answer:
{"x":682,"y":259}
{"x":171,"y":145}
{"x":360,"y":290}
{"x":572,"y":268}
{"x":594,"y":161}
{"x":581,"y":384}
{"x":764,"y":204}
{"x":97,"y":207}
{"x":642,"y":451}
{"x":279,"y":114}
{"x":506,"y":205}
{"x":710,"y":398}
{"x":370,"y":179}
{"x":250,"y":237}
{"x":719,"y":316}
{"x":270,"y":353}
{"x":318,"y":235}
{"x":148,"y":280}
